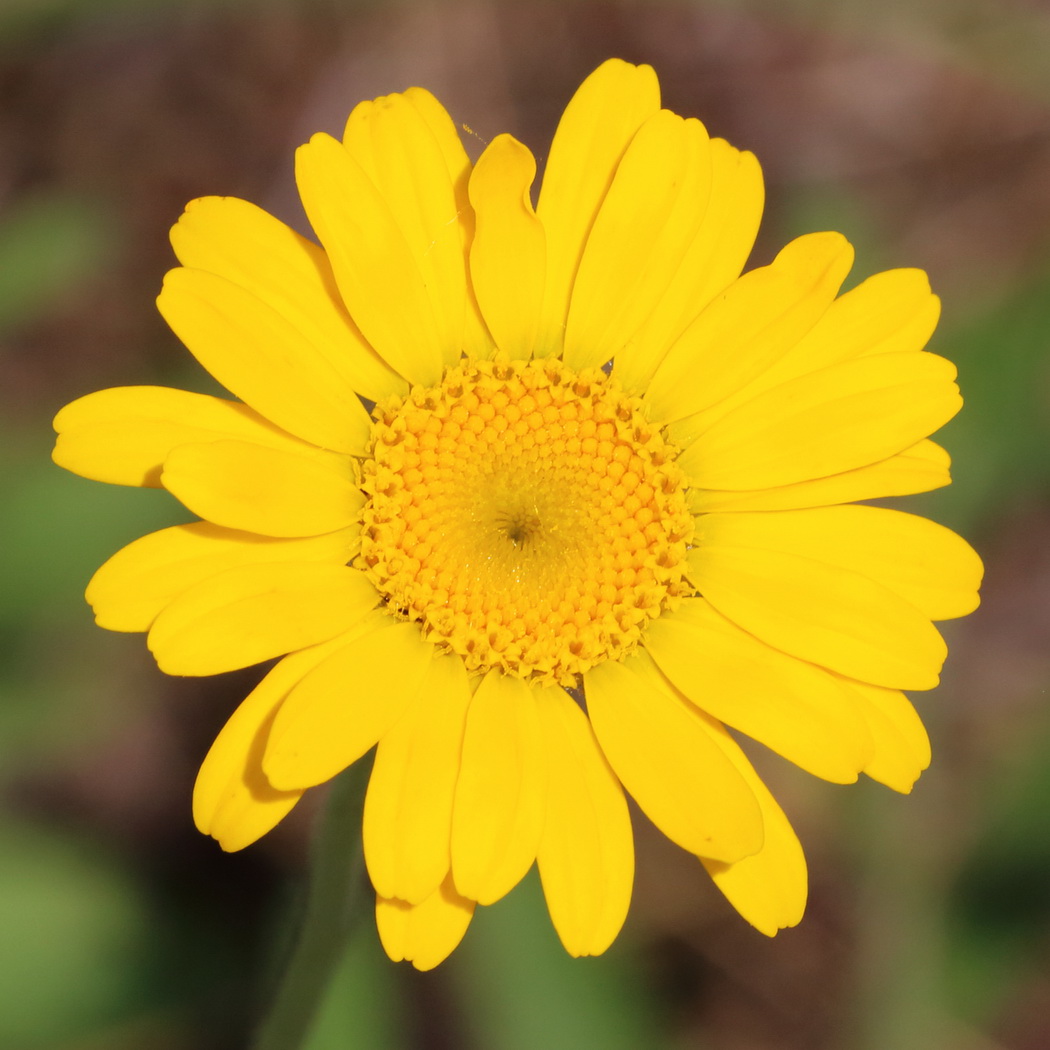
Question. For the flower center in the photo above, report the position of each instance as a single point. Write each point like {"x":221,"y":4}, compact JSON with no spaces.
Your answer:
{"x":528,"y":517}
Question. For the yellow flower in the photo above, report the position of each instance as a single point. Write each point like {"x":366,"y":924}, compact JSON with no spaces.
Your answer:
{"x":533,"y":580}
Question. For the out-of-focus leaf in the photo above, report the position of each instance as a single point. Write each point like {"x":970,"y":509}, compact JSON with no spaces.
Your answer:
{"x":1000,"y":904}
{"x":48,"y":245}
{"x":1000,"y":442}
{"x":74,"y":928}
{"x":362,"y":1006}
{"x":521,"y":991}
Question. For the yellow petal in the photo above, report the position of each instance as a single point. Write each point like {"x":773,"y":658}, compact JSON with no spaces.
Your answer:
{"x":586,"y":851}
{"x":768,"y":889}
{"x":342,"y":707}
{"x":639,"y":236}
{"x":443,"y":128}
{"x":753,"y":323}
{"x":249,"y":247}
{"x":843,"y":417}
{"x":714,"y":258}
{"x":798,"y":710}
{"x":926,"y":564}
{"x":232,"y":799}
{"x":272,"y":492}
{"x":819,"y":612}
{"x":476,"y":339}
{"x":408,"y":808}
{"x":375,"y":266}
{"x":892,"y":312}
{"x":392,"y":140}
{"x":424,"y":934}
{"x":595,"y":130}
{"x":508,"y":258}
{"x":922,"y":467}
{"x":260,"y":356}
{"x":502,"y":789}
{"x":902,"y":747}
{"x":252,"y":613}
{"x":132,"y":587}
{"x":123,"y":435}
{"x":662,"y":750}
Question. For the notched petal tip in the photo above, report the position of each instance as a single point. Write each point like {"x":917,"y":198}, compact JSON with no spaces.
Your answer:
{"x":424,"y":934}
{"x":619,"y":67}
{"x":195,"y":208}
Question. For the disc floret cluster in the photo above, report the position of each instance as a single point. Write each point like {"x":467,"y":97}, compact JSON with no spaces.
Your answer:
{"x":528,"y":518}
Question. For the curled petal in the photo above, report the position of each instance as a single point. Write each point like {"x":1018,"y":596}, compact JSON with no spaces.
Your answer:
{"x":232,"y":799}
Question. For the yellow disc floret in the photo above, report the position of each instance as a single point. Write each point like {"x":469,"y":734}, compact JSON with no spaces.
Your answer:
{"x":528,"y":517}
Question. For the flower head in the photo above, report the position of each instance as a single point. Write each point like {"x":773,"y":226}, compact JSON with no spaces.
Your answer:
{"x":488,"y":461}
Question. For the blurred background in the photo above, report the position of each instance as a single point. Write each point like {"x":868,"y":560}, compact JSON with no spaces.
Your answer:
{"x":919,"y":128}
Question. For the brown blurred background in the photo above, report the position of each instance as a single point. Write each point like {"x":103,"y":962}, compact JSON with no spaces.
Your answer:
{"x":919,"y":129}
